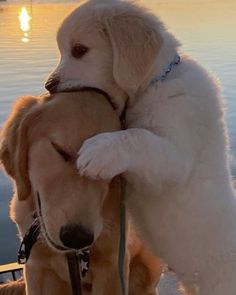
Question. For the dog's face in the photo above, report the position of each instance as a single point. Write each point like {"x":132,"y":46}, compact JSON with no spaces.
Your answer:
{"x":86,"y":58}
{"x":110,"y":45}
{"x":44,"y":168}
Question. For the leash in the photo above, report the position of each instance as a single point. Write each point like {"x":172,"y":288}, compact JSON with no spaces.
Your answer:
{"x":74,"y":271}
{"x":122,"y":244}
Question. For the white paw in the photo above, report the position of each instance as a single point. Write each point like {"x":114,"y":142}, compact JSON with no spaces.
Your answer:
{"x":102,"y":157}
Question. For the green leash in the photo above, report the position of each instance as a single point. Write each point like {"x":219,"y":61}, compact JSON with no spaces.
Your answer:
{"x":122,"y":245}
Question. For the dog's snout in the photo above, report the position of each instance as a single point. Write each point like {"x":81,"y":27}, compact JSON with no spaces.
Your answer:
{"x":51,"y":84}
{"x":76,"y":237}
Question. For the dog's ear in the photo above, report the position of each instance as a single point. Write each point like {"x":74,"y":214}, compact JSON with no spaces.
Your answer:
{"x":21,"y":160}
{"x":21,"y":167}
{"x":13,"y":149}
{"x":5,"y":158}
{"x":135,"y":42}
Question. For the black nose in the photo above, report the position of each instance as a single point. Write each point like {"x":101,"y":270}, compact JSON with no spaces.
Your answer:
{"x":51,"y":84}
{"x":76,"y":237}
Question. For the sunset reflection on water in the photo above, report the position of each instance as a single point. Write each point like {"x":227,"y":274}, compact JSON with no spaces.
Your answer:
{"x":24,"y":19}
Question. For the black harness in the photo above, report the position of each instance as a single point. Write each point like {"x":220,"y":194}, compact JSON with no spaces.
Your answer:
{"x":30,"y":238}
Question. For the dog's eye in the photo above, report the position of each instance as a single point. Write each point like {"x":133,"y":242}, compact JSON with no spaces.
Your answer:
{"x":61,"y":152}
{"x":79,"y":50}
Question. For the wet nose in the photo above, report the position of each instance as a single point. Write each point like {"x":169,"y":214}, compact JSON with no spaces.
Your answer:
{"x":51,"y":84}
{"x":76,"y":237}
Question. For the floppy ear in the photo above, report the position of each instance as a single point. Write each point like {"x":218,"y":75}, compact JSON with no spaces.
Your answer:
{"x":5,"y":158}
{"x":14,"y":145}
{"x":135,"y":43}
{"x":21,"y":161}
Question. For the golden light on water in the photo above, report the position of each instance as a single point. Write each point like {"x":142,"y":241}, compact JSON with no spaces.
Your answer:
{"x":24,"y":19}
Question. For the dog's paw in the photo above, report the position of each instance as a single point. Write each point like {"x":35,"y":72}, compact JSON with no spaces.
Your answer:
{"x":102,"y":157}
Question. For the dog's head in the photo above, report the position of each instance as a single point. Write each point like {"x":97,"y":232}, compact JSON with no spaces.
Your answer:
{"x":39,"y":145}
{"x":111,"y":45}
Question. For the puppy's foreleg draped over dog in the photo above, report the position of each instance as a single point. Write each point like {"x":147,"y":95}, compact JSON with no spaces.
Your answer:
{"x":136,"y":152}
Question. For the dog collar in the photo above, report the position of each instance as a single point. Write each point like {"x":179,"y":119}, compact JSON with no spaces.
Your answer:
{"x":167,"y":70}
{"x":30,"y":238}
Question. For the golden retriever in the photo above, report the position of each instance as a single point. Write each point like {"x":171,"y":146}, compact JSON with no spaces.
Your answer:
{"x":174,"y":152}
{"x":40,"y":141}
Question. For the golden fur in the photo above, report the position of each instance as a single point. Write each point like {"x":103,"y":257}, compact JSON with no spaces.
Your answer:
{"x":13,"y":288}
{"x":31,"y":160}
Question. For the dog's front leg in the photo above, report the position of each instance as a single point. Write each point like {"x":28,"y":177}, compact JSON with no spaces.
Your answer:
{"x":137,"y":153}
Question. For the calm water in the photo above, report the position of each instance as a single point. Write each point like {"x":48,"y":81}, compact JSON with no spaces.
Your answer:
{"x":205,"y":28}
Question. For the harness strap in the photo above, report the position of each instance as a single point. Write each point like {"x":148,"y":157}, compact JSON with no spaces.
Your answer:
{"x":28,"y":241}
{"x":75,"y":279}
{"x":122,"y":245}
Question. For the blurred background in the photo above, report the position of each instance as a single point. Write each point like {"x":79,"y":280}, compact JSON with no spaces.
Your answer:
{"x":28,"y":53}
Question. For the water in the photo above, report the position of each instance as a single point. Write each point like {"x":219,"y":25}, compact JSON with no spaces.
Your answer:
{"x":205,"y":28}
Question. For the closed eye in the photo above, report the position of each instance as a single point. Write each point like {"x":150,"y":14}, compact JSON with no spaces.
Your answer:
{"x":66,"y":156}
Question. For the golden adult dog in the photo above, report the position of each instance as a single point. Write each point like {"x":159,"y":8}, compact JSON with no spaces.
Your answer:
{"x":40,"y":141}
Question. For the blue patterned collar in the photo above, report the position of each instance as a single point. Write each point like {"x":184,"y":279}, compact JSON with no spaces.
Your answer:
{"x":166,"y":70}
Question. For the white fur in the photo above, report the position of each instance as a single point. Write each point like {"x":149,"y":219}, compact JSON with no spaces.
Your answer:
{"x":174,"y":153}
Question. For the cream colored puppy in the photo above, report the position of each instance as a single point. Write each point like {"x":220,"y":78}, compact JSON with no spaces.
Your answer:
{"x":174,"y":153}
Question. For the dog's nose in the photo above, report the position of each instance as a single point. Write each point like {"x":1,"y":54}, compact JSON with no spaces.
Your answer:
{"x":51,"y":84}
{"x":76,"y":237}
